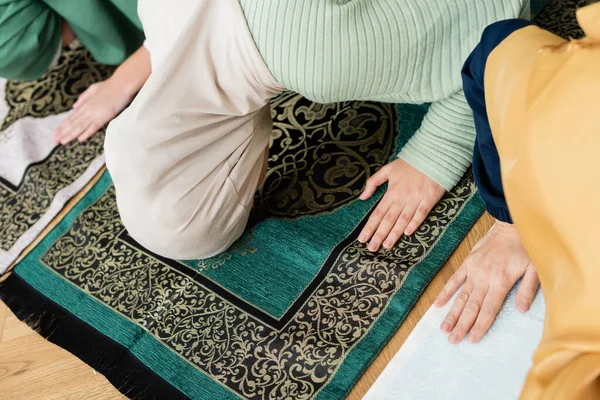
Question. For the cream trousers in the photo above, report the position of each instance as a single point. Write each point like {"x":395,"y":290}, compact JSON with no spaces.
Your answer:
{"x":186,"y":156}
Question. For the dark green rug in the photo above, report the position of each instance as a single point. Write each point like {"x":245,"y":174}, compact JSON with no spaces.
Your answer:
{"x":296,"y":309}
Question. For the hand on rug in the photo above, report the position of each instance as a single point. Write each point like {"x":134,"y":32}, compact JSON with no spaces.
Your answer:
{"x":103,"y":101}
{"x":495,"y":264}
{"x":97,"y":106}
{"x":409,"y":198}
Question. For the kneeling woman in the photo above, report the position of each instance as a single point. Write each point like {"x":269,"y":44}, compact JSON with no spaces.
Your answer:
{"x":188,"y":154}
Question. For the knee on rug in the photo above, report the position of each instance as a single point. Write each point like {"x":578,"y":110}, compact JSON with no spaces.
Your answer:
{"x":177,"y":225}
{"x":170,"y":235}
{"x":167,"y":219}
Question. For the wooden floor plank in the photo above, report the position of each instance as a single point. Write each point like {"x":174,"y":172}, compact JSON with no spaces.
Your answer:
{"x":32,"y":368}
{"x":3,"y":315}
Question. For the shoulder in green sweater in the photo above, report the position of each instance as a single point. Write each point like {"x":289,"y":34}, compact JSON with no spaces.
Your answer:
{"x":400,"y":51}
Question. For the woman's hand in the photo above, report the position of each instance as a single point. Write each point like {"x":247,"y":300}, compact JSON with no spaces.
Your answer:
{"x":495,"y":264}
{"x":409,"y":198}
{"x":103,"y":101}
{"x":97,"y":106}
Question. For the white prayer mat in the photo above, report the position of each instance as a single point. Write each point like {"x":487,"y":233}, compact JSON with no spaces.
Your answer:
{"x":37,"y":176}
{"x":427,"y":367}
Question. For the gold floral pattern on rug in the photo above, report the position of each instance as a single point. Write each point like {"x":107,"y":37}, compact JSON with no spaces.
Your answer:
{"x":242,"y":247}
{"x":558,"y":16}
{"x":22,"y":208}
{"x":237,"y":349}
{"x":57,"y":90}
{"x":321,"y":155}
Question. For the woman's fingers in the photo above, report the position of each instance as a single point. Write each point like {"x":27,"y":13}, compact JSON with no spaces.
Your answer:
{"x":378,"y":179}
{"x":89,"y":132}
{"x":469,"y":313}
{"x":385,"y":226}
{"x":420,"y":215}
{"x":400,"y":225}
{"x":490,"y":271}
{"x":67,"y":126}
{"x":75,"y":128}
{"x":375,"y":219}
{"x":453,"y":284}
{"x":527,"y":290}
{"x":489,"y":309}
{"x":457,"y":308}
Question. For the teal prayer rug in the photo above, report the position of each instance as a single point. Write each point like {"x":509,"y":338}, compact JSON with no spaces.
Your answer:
{"x":37,"y":176}
{"x":297,"y":308}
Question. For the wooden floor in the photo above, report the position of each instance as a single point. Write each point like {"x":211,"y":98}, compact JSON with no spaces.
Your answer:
{"x":33,"y":369}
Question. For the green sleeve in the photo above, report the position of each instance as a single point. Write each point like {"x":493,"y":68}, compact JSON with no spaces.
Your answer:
{"x":442,"y":148}
{"x":109,"y":29}
{"x":30,"y":34}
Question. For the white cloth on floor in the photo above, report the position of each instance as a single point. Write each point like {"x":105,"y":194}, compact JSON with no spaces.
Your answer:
{"x":23,"y":144}
{"x":428,"y":367}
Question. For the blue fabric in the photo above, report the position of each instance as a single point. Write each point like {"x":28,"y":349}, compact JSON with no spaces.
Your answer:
{"x":486,"y":163}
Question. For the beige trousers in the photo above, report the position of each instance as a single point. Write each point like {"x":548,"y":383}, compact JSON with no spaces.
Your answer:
{"x":186,"y":156}
{"x":543,"y":101}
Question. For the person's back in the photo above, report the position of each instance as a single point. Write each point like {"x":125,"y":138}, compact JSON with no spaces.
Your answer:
{"x":399,"y":51}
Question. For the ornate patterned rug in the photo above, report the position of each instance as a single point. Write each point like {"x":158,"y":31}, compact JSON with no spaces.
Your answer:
{"x":296,"y":309}
{"x":37,"y":177}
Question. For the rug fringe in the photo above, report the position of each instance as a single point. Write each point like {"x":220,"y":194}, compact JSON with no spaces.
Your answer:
{"x":122,"y":369}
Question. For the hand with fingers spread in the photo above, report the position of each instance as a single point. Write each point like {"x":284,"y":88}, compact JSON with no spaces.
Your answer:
{"x":495,"y":264}
{"x":97,"y":106}
{"x":409,"y":198}
{"x":103,"y":101}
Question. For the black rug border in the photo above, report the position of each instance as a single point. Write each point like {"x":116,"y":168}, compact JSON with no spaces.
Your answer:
{"x":123,"y":370}
{"x":276,"y":323}
{"x":15,"y":188}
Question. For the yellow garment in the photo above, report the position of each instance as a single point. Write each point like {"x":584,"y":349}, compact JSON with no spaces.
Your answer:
{"x":543,"y":101}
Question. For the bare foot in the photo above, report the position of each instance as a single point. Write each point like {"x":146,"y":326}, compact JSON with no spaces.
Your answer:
{"x":97,"y":106}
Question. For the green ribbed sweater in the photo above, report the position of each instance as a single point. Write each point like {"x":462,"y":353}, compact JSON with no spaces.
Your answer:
{"x":399,"y":51}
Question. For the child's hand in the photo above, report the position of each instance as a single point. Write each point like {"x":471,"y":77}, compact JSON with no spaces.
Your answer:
{"x":409,"y":198}
{"x":495,"y":264}
{"x":97,"y":106}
